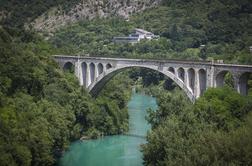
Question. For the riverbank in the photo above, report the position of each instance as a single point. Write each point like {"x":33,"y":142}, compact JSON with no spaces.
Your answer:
{"x":123,"y":150}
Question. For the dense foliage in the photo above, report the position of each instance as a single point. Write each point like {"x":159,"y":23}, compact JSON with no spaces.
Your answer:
{"x":213,"y":131}
{"x":43,"y":109}
{"x":224,"y":27}
{"x":17,"y":13}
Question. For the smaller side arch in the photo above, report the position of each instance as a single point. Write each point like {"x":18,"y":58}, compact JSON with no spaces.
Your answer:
{"x":68,"y":67}
{"x":181,"y":74}
{"x":172,"y":70}
{"x":108,"y":66}
{"x":191,"y":78}
{"x":219,"y":80}
{"x":92,"y":71}
{"x":224,"y":77}
{"x":243,"y":83}
{"x":100,"y":68}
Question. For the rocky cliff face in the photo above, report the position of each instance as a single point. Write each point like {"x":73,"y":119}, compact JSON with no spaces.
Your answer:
{"x":89,"y":9}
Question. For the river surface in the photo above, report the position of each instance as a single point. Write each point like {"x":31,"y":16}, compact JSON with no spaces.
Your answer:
{"x":120,"y":150}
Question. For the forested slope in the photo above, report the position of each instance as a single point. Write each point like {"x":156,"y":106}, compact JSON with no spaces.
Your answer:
{"x":42,"y":109}
{"x":48,"y":15}
{"x":224,"y":27}
{"x":18,"y":13}
{"x":216,"y":130}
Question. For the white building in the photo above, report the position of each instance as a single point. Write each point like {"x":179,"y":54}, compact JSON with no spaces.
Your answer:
{"x":135,"y":37}
{"x":143,"y":34}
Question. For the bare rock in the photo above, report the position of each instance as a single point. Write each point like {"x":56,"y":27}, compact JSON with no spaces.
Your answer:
{"x":90,"y":9}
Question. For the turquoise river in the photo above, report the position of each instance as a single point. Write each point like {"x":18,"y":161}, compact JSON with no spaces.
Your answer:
{"x":120,"y":150}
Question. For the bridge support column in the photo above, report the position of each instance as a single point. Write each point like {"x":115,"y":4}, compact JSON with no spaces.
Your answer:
{"x":96,"y":71}
{"x":236,"y":77}
{"x":176,"y":72}
{"x":197,"y":84}
{"x":187,"y":78}
{"x":77,"y":71}
{"x":88,"y":76}
{"x":210,"y":77}
{"x":80,"y":78}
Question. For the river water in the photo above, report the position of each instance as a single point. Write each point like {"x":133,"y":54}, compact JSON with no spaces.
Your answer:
{"x":120,"y":150}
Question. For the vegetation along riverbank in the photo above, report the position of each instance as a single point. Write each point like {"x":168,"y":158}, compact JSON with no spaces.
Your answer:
{"x":43,"y":109}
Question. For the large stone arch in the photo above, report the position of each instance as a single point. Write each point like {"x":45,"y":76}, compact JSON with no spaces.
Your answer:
{"x":96,"y":86}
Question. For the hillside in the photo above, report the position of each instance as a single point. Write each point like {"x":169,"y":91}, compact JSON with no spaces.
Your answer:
{"x":49,"y":15}
{"x":88,"y":10}
{"x":18,"y":13}
{"x":43,"y":109}
{"x":224,"y":28}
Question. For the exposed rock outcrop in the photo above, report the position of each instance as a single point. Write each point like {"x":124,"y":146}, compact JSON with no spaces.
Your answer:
{"x":89,"y":9}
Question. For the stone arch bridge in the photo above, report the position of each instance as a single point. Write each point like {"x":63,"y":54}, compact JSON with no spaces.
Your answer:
{"x":194,"y":77}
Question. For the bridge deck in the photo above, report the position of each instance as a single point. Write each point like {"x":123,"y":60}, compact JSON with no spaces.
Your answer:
{"x":155,"y":60}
